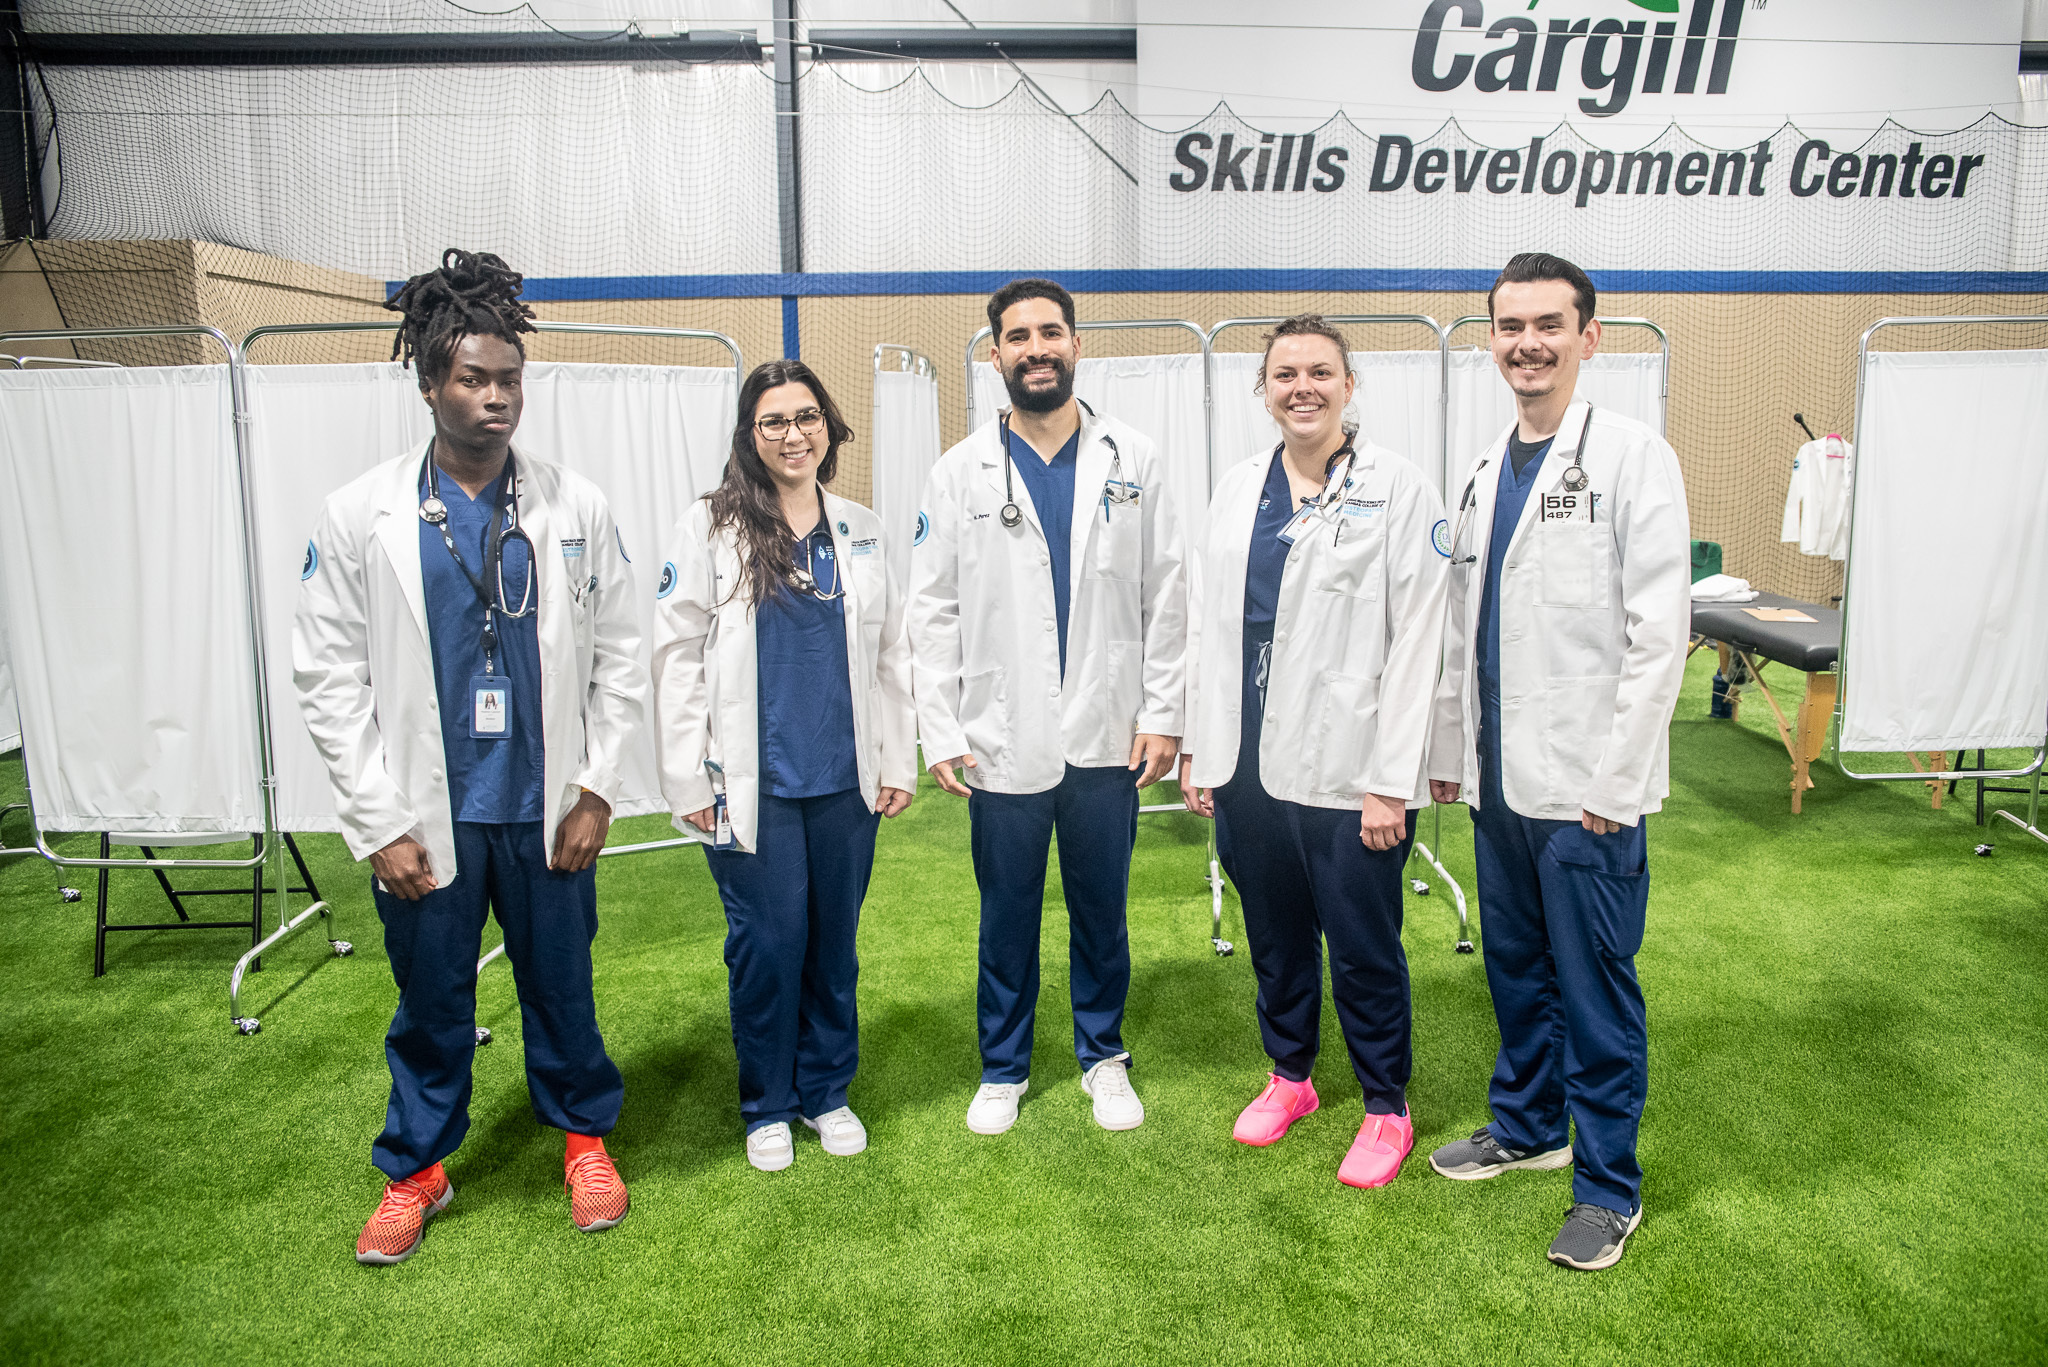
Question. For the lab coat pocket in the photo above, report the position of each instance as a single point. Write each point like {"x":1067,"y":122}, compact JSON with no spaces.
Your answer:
{"x":1572,"y":570}
{"x":1352,"y":566}
{"x":982,"y":696}
{"x":1120,"y":547}
{"x":1346,"y":723}
{"x":1609,"y":884}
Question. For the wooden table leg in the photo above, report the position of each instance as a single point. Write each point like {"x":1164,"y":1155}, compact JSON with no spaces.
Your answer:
{"x":1815,"y":710}
{"x":1800,"y":782}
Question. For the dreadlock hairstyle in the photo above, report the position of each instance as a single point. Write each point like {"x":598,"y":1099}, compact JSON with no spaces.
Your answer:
{"x":748,"y":500}
{"x":472,"y":294}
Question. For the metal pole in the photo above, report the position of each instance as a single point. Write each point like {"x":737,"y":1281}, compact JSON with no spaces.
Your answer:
{"x":739,"y":373}
{"x":789,"y":200}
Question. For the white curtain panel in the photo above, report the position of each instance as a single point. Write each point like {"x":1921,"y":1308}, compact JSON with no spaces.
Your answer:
{"x":1395,"y":405}
{"x":906,"y":446}
{"x":1948,"y":643}
{"x":1630,"y":383}
{"x":1160,"y":396}
{"x":10,"y":728}
{"x":126,"y":610}
{"x":649,"y":436}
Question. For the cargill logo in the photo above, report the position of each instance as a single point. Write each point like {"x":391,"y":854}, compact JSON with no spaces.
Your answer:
{"x":1615,"y":58}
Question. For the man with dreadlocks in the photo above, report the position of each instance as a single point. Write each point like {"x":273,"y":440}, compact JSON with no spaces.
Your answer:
{"x":466,"y":652}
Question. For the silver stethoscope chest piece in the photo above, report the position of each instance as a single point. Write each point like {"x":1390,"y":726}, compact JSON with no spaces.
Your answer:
{"x":1574,"y":480}
{"x":433,"y":510}
{"x":1011,"y":514}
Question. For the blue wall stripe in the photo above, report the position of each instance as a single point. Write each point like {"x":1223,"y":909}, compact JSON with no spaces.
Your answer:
{"x":789,"y":288}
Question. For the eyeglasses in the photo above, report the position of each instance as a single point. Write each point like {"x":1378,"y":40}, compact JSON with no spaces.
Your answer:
{"x":775,"y":427}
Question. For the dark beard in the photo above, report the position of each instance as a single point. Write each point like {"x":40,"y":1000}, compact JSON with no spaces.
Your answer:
{"x":1046,"y":401}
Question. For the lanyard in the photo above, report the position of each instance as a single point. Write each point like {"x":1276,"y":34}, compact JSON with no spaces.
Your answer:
{"x":506,"y":502}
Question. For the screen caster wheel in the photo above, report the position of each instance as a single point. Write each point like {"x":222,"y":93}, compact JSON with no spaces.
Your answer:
{"x":247,"y":1025}
{"x":342,"y":948}
{"x":1420,"y":888}
{"x":1223,"y":948}
{"x":1464,"y":946}
{"x":483,"y":1035}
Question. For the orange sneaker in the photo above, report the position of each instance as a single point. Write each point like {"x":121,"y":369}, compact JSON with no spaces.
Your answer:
{"x":597,"y":1196}
{"x":394,"y":1232}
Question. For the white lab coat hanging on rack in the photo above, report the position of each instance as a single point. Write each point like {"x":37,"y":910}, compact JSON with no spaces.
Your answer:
{"x":1817,"y":502}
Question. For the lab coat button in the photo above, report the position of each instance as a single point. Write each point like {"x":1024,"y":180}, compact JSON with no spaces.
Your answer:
{"x":1050,"y":625}
{"x":1281,"y":637}
{"x":1053,"y":692}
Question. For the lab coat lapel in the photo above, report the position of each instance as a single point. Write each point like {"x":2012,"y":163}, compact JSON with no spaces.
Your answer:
{"x":992,"y":466}
{"x":397,"y":528}
{"x":1091,"y":468}
{"x":1570,"y":434}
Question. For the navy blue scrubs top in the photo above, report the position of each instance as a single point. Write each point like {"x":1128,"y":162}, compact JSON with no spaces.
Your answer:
{"x":805,"y":691}
{"x":496,"y":780}
{"x":1517,"y":479}
{"x":1050,"y":485}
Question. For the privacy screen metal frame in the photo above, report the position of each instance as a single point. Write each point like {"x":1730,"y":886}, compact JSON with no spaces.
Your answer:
{"x":268,"y":845}
{"x":1848,"y":574}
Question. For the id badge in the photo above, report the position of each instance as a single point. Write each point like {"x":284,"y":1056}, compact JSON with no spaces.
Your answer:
{"x":490,"y":707}
{"x":721,"y":825}
{"x":1568,"y":507}
{"x":1297,"y":524}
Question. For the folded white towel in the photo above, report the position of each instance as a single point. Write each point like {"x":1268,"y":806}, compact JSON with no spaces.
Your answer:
{"x":1722,"y":588}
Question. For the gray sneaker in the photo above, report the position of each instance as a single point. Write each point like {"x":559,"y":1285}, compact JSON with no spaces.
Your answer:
{"x":1593,"y":1237}
{"x":1482,"y":1156}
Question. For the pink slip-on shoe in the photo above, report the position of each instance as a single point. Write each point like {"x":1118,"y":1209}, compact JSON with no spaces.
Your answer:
{"x":1375,"y":1157}
{"x":1273,"y":1110}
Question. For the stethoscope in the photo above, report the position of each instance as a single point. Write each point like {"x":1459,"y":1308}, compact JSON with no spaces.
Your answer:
{"x":1114,"y":490}
{"x":505,"y":528}
{"x":807,"y":577}
{"x":1574,"y":481}
{"x":1331,"y":489}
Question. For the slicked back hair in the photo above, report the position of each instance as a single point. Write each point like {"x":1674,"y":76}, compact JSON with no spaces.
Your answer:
{"x":1303,"y":325}
{"x":1018,"y":290}
{"x":1529,"y":267}
{"x":471,"y":294}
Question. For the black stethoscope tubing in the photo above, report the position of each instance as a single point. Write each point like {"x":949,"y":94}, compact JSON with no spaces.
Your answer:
{"x":1574,"y":481}
{"x":434,"y":513}
{"x":1011,"y":514}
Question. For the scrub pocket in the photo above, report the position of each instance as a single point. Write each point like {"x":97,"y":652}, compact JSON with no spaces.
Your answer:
{"x":1609,"y":883}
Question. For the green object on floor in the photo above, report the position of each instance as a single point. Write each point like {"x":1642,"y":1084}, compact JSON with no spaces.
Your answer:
{"x":1706,"y":559}
{"x":1848,"y":1030}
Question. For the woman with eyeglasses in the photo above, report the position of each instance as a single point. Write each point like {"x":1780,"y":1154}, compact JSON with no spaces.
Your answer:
{"x":784,"y":729}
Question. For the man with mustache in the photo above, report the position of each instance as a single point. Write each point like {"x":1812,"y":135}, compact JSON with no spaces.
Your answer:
{"x":1569,"y":615}
{"x":1048,"y":624}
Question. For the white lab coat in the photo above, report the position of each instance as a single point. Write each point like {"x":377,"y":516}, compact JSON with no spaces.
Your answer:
{"x":1357,"y":636}
{"x":1817,"y":500}
{"x":1594,"y":620}
{"x":365,"y":667}
{"x":706,"y":689}
{"x":983,"y":629}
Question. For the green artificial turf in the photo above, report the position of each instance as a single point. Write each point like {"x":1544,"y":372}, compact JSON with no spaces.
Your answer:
{"x":1847,"y":1065}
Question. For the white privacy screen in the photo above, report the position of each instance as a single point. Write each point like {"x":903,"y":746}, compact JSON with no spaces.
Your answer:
{"x":645,"y":435}
{"x":10,"y":729}
{"x":906,"y":446}
{"x":1395,"y":403}
{"x":126,"y":610}
{"x":1160,"y":396}
{"x":1630,"y":383}
{"x":1947,"y":640}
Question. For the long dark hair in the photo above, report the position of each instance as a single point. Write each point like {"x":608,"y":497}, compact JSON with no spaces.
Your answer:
{"x":471,"y":294}
{"x":747,"y":498}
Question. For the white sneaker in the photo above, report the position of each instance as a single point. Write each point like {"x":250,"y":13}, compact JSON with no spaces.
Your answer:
{"x":1116,"y":1106}
{"x":994,"y":1108}
{"x":770,"y":1148}
{"x":839,"y":1131}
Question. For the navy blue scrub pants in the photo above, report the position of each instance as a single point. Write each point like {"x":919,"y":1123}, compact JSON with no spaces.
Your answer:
{"x":1562,"y":912}
{"x":1095,"y":812}
{"x":791,"y":911}
{"x":549,"y":920}
{"x":1303,"y":877}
